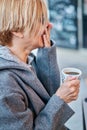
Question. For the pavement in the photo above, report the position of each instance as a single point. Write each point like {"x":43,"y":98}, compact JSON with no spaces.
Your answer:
{"x":75,"y":58}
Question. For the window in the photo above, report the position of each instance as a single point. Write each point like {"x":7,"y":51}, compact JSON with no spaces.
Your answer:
{"x":63,"y":15}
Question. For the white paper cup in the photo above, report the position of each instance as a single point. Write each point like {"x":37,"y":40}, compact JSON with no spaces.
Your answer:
{"x":70,"y":72}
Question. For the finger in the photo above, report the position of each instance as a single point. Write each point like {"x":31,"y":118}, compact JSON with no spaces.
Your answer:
{"x":70,"y":78}
{"x":75,"y":83}
{"x":47,"y":34}
{"x":46,"y":38}
{"x":74,"y":91}
{"x":46,"y":42}
{"x":77,"y":86}
{"x":75,"y":97}
{"x":72,"y":99}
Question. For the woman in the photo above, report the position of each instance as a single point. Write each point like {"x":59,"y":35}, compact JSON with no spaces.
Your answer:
{"x":30,"y":96}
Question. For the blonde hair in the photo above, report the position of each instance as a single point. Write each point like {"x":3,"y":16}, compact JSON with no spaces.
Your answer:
{"x":19,"y":15}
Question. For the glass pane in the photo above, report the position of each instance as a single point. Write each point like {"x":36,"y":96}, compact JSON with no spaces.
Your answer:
{"x":63,"y":15}
{"x":85,"y":23}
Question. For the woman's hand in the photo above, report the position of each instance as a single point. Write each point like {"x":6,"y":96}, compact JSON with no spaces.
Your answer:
{"x":46,"y":35}
{"x":69,"y":89}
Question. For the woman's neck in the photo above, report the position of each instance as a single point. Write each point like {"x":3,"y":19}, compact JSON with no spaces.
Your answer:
{"x":20,"y":46}
{"x":20,"y":52}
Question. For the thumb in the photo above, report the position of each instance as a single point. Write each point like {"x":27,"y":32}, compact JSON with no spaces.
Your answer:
{"x":70,"y":78}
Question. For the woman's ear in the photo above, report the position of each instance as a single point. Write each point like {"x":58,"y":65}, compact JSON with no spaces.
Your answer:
{"x":18,"y":34}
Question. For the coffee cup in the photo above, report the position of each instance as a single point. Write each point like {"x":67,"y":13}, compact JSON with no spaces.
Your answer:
{"x":69,"y":71}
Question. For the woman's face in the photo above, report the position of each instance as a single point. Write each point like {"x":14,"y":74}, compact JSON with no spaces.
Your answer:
{"x":36,"y":41}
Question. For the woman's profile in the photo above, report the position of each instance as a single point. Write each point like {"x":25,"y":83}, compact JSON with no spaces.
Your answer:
{"x":31,"y":97}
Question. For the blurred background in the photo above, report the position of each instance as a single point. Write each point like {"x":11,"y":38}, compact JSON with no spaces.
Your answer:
{"x":69,"y":19}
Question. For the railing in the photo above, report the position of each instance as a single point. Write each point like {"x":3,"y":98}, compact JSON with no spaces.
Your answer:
{"x":84,"y":108}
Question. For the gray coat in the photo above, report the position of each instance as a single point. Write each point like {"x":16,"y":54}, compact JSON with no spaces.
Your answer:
{"x":27,"y":92}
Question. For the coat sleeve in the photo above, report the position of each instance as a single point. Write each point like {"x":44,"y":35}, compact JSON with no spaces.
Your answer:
{"x":47,"y":68}
{"x":54,"y":115}
{"x":16,"y":113}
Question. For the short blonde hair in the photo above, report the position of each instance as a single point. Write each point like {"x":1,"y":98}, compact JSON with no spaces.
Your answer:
{"x":19,"y":15}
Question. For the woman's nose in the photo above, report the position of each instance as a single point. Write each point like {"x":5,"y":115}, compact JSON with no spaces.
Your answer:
{"x":49,"y":25}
